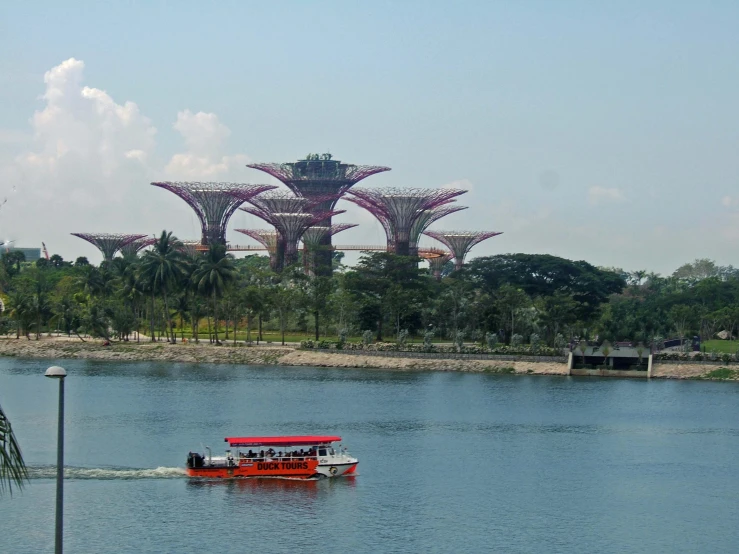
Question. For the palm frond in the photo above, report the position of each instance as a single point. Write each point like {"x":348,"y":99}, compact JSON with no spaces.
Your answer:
{"x":12,"y":468}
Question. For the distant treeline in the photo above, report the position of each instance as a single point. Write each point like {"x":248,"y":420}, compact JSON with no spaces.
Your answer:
{"x":169,"y":294}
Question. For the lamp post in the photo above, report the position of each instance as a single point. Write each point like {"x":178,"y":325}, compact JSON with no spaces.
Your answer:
{"x":56,"y":372}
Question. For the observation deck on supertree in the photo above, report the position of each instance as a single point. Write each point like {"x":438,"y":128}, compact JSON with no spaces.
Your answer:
{"x":319,"y":176}
{"x":214,"y":203}
{"x":400,"y":210}
{"x":108,"y":243}
{"x":133,"y":247}
{"x":270,"y":239}
{"x":460,"y":242}
{"x":437,"y":263}
{"x":313,"y":239}
{"x":291,"y":216}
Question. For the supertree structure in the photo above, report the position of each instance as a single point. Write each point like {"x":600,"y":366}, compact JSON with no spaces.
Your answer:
{"x":291,"y":215}
{"x":190,"y":247}
{"x":437,"y":263}
{"x":313,"y":239}
{"x":400,"y":209}
{"x":133,"y":247}
{"x":214,"y":203}
{"x":108,"y":243}
{"x":426,"y":218}
{"x":320,"y":177}
{"x":460,"y":242}
{"x":270,"y":239}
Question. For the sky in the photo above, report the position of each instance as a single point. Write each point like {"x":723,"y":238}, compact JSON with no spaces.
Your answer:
{"x":603,"y":131}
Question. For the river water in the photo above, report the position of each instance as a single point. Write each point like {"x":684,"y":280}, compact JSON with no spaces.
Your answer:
{"x":449,"y":462}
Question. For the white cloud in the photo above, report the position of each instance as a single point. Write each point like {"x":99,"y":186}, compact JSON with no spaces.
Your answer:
{"x":204,"y":136}
{"x":87,"y":163}
{"x":202,"y":131}
{"x":600,"y":195}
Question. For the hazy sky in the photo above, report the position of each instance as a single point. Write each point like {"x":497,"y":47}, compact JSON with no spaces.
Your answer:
{"x":604,"y":131}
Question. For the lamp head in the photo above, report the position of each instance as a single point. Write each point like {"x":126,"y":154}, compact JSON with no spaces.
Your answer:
{"x":56,"y":372}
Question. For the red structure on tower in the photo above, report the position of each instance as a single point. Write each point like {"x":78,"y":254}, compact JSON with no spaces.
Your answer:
{"x":214,"y":203}
{"x":108,"y":243}
{"x":319,"y":177}
{"x":460,"y":242}
{"x":403,"y":212}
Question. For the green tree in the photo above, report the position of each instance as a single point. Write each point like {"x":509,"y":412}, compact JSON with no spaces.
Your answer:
{"x":318,"y":293}
{"x":215,"y":271}
{"x":388,"y":288}
{"x":163,"y":267}
{"x":541,"y":275}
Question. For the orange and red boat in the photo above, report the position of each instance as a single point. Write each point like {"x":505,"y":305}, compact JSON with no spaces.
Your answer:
{"x":298,"y":457}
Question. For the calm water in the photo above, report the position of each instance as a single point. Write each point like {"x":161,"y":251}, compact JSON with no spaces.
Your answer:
{"x":448,"y":462}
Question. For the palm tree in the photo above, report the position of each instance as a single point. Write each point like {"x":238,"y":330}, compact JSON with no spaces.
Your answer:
{"x":214,"y":273}
{"x":182,"y":311}
{"x":19,"y":304}
{"x":162,"y":267}
{"x":12,"y":468}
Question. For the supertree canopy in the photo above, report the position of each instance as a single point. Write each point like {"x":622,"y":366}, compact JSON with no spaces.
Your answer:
{"x":108,"y":243}
{"x":214,"y":203}
{"x":426,"y":218}
{"x":400,"y":209}
{"x":314,"y":237}
{"x":291,"y":216}
{"x":437,"y":263}
{"x":133,"y":247}
{"x":320,"y":176}
{"x":270,"y":239}
{"x":460,"y":242}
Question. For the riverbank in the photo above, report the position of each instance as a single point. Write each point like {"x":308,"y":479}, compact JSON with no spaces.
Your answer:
{"x":289,"y":355}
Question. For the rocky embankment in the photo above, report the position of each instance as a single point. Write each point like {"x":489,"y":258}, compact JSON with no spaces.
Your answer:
{"x":290,"y":355}
{"x":59,"y":348}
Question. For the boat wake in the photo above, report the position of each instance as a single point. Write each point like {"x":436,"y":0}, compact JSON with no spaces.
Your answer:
{"x":107,"y":473}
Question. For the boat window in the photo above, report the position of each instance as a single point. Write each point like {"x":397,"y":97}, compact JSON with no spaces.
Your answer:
{"x":331,"y":451}
{"x":322,"y":452}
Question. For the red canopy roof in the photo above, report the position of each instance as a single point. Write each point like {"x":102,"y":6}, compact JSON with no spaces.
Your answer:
{"x":306,"y":440}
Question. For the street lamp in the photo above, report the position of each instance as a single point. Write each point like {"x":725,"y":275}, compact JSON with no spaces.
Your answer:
{"x":56,"y":372}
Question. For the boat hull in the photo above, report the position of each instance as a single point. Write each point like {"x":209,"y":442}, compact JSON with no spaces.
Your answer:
{"x":295,"y":469}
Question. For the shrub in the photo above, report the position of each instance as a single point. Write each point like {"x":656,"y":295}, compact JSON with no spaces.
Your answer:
{"x":516,"y":340}
{"x":342,"y":339}
{"x":368,"y":337}
{"x":559,"y":341}
{"x":534,"y":340}
{"x":491,"y":339}
{"x":428,"y":337}
{"x":459,"y":340}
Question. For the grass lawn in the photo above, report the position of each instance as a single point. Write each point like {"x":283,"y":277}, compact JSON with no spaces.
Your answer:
{"x":728,"y":346}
